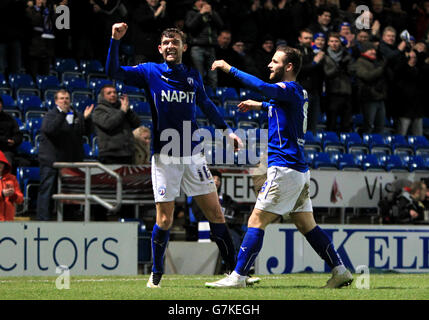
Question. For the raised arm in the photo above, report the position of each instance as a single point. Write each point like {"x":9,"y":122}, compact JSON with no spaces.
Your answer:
{"x":272,"y":91}
{"x":131,"y":75}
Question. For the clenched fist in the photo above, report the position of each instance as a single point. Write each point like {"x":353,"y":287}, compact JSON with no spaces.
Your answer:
{"x":119,"y":30}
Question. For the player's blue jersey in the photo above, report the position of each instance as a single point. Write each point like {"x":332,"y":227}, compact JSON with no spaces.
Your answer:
{"x":173,"y":92}
{"x":287,"y":120}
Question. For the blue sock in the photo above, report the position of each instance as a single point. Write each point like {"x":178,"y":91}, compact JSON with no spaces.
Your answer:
{"x":159,"y":245}
{"x":322,"y":244}
{"x":249,"y":250}
{"x":220,"y":234}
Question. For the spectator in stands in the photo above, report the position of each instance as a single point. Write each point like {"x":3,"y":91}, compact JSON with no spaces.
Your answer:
{"x":61,"y":140}
{"x":225,"y":52}
{"x":372,"y":88}
{"x":346,"y":32}
{"x":311,"y":76}
{"x":114,"y":123}
{"x":410,"y":203}
{"x":13,"y":25}
{"x":410,"y":111}
{"x":42,"y":47}
{"x":203,"y":24}
{"x":142,"y":145}
{"x":338,"y":84}
{"x":323,"y":23}
{"x":10,"y":135}
{"x":246,"y":60}
{"x":149,"y":19}
{"x":10,"y":193}
{"x":392,"y":53}
{"x":319,"y":42}
{"x":379,"y":13}
{"x":262,"y":57}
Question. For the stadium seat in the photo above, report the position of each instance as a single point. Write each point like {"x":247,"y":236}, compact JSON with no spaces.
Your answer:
{"x":347,"y":162}
{"x":353,"y":141}
{"x":125,"y":89}
{"x":74,"y":84}
{"x":31,"y":104}
{"x":225,"y":94}
{"x":395,"y":163}
{"x":3,"y":81}
{"x":27,"y":150}
{"x":68,"y":75}
{"x":65,"y":65}
{"x":399,"y":144}
{"x":47,"y":82}
{"x":371,"y":162}
{"x":331,"y":141}
{"x":18,"y":81}
{"x":141,"y":108}
{"x":28,"y":177}
{"x":9,"y":102}
{"x":375,"y":142}
{"x":417,"y":164}
{"x":420,"y":144}
{"x":246,"y":94}
{"x":249,"y":119}
{"x":81,"y":104}
{"x":96,"y":84}
{"x":309,"y":157}
{"x":312,"y":142}
{"x":321,"y":122}
{"x":34,"y":125}
{"x":357,"y":121}
{"x":91,"y":67}
{"x":323,"y":160}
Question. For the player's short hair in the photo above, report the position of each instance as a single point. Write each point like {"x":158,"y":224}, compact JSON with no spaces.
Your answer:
{"x":293,"y":56}
{"x":216,"y":173}
{"x":171,"y":32}
{"x":63,"y":91}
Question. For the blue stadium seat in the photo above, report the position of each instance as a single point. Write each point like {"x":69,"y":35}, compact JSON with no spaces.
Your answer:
{"x":31,"y":103}
{"x":26,"y":149}
{"x":147,"y":123}
{"x":68,"y":75}
{"x":48,"y":82}
{"x":64,"y":65}
{"x":73,"y":84}
{"x":141,"y":108}
{"x":225,"y":93}
{"x":321,"y":122}
{"x":353,"y":141}
{"x":395,"y":163}
{"x":347,"y":162}
{"x":28,"y":177}
{"x":9,"y":102}
{"x":323,"y":160}
{"x":312,"y":142}
{"x":399,"y":144}
{"x":420,"y":144}
{"x":249,"y":118}
{"x":417,"y":164}
{"x":91,"y":66}
{"x":18,"y":81}
{"x":125,"y":89}
{"x":96,"y":84}
{"x":246,"y":94}
{"x":376,"y":141}
{"x":371,"y":162}
{"x":3,"y":81}
{"x":331,"y":141}
{"x":81,"y":104}
{"x":309,"y":157}
{"x":34,"y":125}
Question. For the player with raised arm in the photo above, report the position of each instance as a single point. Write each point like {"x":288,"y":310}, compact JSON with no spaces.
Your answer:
{"x":173,"y":91}
{"x":286,"y":190}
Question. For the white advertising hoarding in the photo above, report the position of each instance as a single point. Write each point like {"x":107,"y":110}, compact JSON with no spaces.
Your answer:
{"x":94,"y":248}
{"x":396,"y":248}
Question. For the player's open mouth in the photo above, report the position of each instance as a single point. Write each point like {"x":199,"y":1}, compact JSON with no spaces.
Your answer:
{"x":171,"y":54}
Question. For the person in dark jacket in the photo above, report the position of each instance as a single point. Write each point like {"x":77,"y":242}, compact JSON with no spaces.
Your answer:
{"x":61,"y":140}
{"x":372,"y":88}
{"x":149,"y":19}
{"x":225,"y":52}
{"x":338,"y":84}
{"x":203,"y":24}
{"x":10,"y":136}
{"x":114,"y":122}
{"x":410,"y":105}
{"x":42,"y":48}
{"x":410,"y":203}
{"x":311,"y":76}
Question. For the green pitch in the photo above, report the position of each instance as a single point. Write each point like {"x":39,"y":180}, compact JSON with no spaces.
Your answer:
{"x":179,"y":287}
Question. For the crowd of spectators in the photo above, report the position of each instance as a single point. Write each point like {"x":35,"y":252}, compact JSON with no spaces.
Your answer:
{"x":374,"y":63}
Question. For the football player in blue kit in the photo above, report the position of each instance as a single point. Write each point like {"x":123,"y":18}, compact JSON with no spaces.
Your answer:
{"x":286,"y":190}
{"x":173,"y":91}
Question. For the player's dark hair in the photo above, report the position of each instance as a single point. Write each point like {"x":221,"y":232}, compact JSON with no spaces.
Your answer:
{"x":216,"y":173}
{"x":171,"y":32}
{"x":293,"y":56}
